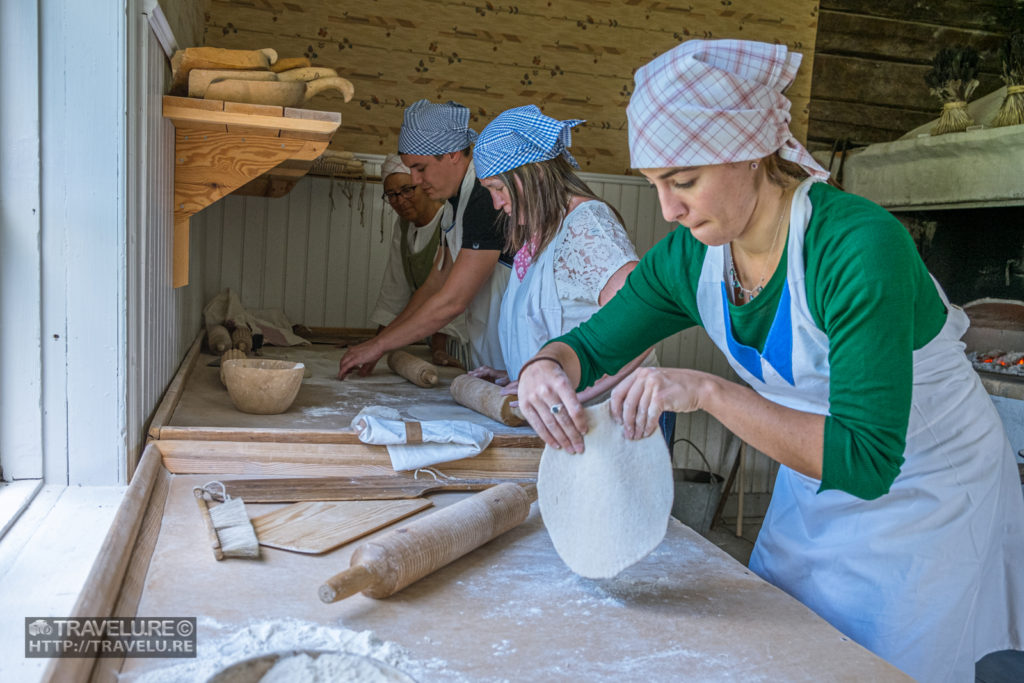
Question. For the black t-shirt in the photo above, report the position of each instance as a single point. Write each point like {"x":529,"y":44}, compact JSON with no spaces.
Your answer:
{"x":480,"y":223}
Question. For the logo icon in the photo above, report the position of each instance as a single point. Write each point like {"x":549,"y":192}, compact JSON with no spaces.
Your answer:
{"x":40,"y":627}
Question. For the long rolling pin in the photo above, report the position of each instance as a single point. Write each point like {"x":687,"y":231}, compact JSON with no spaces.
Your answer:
{"x":486,"y":398}
{"x":418,"y":371}
{"x":386,"y":565}
{"x":218,"y":338}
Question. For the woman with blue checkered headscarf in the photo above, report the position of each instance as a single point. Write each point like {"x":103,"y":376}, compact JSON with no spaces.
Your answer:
{"x":571,"y":252}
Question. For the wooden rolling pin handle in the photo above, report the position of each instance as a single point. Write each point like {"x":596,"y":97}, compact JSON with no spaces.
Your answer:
{"x":485,"y":398}
{"x":349,"y":582}
{"x":241,"y":338}
{"x":418,"y":371}
{"x":218,"y":338}
{"x":204,"y":510}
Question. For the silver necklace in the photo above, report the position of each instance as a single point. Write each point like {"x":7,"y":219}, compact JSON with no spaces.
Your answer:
{"x":749,"y":294}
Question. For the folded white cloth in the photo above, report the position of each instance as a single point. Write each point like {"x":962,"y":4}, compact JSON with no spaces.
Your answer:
{"x":442,"y":440}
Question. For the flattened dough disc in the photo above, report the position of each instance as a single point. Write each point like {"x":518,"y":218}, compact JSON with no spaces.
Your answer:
{"x":608,"y":507}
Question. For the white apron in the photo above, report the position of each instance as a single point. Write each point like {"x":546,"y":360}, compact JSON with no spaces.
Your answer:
{"x":483,"y":311}
{"x":531,"y":312}
{"x":929,"y":576}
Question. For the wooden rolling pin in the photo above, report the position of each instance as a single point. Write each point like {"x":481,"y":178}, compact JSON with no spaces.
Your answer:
{"x":386,"y":565}
{"x":218,"y":338}
{"x":419,"y":372}
{"x":486,"y":398}
{"x":241,"y":338}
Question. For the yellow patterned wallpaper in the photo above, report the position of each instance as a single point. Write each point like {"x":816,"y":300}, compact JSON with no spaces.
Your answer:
{"x":572,"y":58}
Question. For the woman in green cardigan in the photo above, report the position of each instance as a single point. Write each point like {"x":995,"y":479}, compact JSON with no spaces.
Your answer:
{"x":897,"y":513}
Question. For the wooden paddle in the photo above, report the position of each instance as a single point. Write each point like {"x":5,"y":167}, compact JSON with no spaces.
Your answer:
{"x":318,"y":526}
{"x":294,"y":489}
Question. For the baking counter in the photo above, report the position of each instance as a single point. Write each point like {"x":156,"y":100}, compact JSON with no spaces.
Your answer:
{"x":197,"y":405}
{"x":510,"y":610}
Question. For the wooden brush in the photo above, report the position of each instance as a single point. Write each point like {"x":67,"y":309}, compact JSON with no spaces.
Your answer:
{"x":953,"y":79}
{"x":230,"y":531}
{"x":1011,"y":112}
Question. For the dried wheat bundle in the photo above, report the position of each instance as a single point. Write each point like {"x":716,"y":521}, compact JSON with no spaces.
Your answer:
{"x":953,"y":79}
{"x":1011,"y":113}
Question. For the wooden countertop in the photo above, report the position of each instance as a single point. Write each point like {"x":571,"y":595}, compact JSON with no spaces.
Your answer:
{"x":509,"y":610}
{"x":197,"y":406}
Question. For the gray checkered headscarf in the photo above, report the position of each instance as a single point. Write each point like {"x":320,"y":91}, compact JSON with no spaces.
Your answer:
{"x":522,"y":135}
{"x":435,"y":128}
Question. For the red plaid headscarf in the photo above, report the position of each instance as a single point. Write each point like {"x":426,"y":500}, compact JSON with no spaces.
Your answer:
{"x":714,"y":102}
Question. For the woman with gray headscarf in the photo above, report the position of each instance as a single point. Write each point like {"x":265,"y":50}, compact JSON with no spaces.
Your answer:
{"x":414,"y":244}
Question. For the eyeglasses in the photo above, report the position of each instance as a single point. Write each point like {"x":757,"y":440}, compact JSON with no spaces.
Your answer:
{"x":404,"y":193}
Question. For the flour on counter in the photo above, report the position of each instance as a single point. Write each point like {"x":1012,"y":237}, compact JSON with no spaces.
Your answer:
{"x":330,"y":668}
{"x":221,"y":645}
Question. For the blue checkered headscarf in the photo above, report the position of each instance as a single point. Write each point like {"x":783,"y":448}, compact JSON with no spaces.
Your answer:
{"x":520,"y":136}
{"x":435,"y":128}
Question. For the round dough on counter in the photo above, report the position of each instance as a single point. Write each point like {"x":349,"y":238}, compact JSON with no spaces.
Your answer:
{"x":608,"y":507}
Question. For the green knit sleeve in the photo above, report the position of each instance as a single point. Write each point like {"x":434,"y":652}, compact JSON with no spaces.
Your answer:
{"x":872,"y":295}
{"x":657,"y":300}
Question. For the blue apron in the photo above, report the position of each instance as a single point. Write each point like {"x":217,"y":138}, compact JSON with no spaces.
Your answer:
{"x":929,"y":576}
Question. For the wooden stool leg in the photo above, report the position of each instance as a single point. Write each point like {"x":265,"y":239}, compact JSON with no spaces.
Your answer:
{"x":739,"y":500}
{"x":730,"y":480}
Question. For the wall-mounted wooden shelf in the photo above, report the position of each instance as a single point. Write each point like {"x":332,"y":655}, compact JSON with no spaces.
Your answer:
{"x":220,"y":147}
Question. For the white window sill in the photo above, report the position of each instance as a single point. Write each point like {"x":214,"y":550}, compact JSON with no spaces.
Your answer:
{"x":45,"y":558}
{"x":14,"y":499}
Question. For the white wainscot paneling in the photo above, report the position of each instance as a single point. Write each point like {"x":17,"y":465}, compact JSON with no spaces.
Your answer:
{"x":162,"y":321}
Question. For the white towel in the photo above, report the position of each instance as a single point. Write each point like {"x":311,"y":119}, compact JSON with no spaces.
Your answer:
{"x":443,"y":440}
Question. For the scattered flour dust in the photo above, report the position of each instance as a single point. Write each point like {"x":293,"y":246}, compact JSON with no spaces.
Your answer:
{"x":329,"y":668}
{"x":221,"y":645}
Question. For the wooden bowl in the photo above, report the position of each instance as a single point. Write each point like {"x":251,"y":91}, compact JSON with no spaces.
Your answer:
{"x":261,"y":386}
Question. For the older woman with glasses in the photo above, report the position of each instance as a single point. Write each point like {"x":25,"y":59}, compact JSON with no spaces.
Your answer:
{"x":413,"y":248}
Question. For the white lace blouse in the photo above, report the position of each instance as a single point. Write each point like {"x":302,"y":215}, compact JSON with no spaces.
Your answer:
{"x":595,"y":247}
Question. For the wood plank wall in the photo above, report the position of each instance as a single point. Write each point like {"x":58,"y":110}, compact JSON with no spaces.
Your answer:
{"x":573,"y":58}
{"x":187,"y":19}
{"x":319,"y":253}
{"x":871,"y":57}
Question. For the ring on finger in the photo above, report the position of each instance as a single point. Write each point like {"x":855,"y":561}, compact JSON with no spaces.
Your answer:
{"x":557,"y":408}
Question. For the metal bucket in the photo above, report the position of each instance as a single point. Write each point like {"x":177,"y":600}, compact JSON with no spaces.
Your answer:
{"x":696,"y":496}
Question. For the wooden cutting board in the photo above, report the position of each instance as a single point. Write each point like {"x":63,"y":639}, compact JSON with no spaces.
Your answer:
{"x":293,"y":489}
{"x":316,"y":527}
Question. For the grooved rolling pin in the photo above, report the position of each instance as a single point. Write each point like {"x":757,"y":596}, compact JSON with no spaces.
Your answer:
{"x":419,"y":372}
{"x":485,"y":397}
{"x":386,"y":565}
{"x":241,"y":338}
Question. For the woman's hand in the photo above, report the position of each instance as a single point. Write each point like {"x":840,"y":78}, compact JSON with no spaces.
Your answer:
{"x":499,"y":377}
{"x":510,"y":389}
{"x":362,"y":356}
{"x":548,"y":401}
{"x":640,"y":399}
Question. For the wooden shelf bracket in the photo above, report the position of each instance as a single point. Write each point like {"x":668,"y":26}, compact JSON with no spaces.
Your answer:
{"x":221,"y":146}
